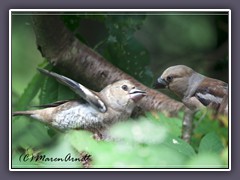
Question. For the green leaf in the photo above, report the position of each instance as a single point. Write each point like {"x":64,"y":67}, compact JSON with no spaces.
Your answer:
{"x":140,"y":131}
{"x":205,"y":160}
{"x":61,"y":155}
{"x":122,"y":48}
{"x":49,"y":91}
{"x":131,"y":57}
{"x":123,"y":27}
{"x":208,"y":125}
{"x":30,"y":92}
{"x":64,"y":93}
{"x":173,"y":124}
{"x":52,"y":91}
{"x":28,"y":132}
{"x":210,"y":143}
{"x":124,"y":154}
{"x":179,"y":145}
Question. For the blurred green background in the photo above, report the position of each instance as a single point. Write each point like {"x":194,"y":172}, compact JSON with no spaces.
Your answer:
{"x":25,"y":56}
{"x":143,"y":46}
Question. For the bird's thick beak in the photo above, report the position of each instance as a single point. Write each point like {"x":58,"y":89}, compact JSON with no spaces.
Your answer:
{"x":160,"y":83}
{"x":136,"y":94}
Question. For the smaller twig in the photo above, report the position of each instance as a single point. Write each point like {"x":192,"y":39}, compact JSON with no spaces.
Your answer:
{"x":187,"y":127}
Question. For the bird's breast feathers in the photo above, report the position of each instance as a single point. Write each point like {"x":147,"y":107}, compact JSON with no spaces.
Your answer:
{"x":84,"y":116}
{"x":80,"y":116}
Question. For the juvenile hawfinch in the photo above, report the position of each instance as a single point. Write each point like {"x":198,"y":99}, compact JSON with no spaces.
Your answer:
{"x":98,"y":111}
{"x":195,"y":90}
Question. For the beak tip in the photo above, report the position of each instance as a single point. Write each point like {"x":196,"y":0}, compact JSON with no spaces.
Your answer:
{"x":159,"y":84}
{"x":136,"y":95}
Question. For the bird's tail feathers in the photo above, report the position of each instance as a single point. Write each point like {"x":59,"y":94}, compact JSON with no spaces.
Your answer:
{"x":42,"y":115}
{"x":22,"y":113}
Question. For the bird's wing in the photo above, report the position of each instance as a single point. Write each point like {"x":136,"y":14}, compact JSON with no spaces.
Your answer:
{"x":88,"y":95}
{"x":211,"y":91}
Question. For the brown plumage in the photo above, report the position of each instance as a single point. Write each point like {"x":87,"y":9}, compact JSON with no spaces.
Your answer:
{"x":98,"y":111}
{"x":195,"y":90}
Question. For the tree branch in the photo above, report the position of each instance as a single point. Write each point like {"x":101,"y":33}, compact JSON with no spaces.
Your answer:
{"x":82,"y":64}
{"x":187,"y":126}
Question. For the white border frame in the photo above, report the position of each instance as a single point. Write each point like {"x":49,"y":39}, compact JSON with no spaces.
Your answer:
{"x":116,"y":10}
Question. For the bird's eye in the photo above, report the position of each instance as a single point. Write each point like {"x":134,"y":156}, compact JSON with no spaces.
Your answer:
{"x":124,"y":87}
{"x":169,"y":78}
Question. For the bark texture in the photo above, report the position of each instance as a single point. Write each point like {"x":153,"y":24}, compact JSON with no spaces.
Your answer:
{"x":187,"y":126}
{"x":81,"y":63}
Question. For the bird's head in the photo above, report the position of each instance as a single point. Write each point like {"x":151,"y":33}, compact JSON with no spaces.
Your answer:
{"x":122,"y":95}
{"x":175,"y":78}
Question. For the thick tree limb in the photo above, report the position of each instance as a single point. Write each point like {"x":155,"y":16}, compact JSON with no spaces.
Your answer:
{"x":82,"y":64}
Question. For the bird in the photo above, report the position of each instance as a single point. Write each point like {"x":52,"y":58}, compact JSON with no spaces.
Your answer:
{"x":194,"y":89}
{"x":93,"y":111}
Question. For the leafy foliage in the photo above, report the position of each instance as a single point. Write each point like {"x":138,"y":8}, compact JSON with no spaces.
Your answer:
{"x":151,"y":141}
{"x":210,"y":143}
{"x":123,"y":49}
{"x":147,"y":142}
{"x":30,"y":92}
{"x":116,"y":41}
{"x":52,"y":91}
